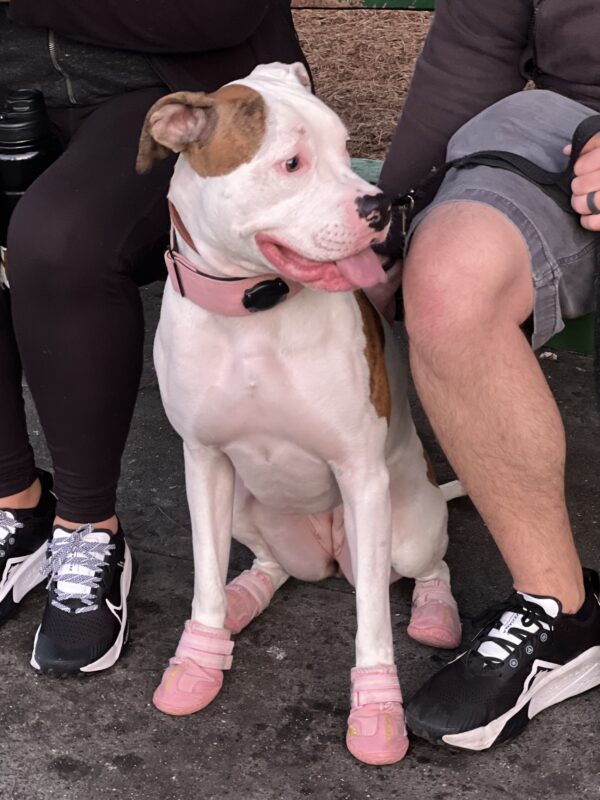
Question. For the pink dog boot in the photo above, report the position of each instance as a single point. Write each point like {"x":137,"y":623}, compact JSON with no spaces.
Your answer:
{"x":434,"y":619}
{"x":376,"y":730}
{"x":247,"y":596}
{"x":195,"y":675}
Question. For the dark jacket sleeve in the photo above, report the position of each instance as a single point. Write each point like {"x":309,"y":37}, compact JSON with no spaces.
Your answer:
{"x":471,"y":59}
{"x":147,"y":26}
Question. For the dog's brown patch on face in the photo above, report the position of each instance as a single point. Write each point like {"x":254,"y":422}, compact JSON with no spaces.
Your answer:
{"x":431,"y":476}
{"x":238,"y":132}
{"x":375,"y":355}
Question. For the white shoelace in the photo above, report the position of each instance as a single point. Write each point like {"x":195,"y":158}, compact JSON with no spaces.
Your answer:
{"x":8,"y":527}
{"x":515,"y":622}
{"x":76,"y":561}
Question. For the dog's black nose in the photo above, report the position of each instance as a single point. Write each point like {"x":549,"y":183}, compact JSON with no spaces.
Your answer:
{"x":376,"y":209}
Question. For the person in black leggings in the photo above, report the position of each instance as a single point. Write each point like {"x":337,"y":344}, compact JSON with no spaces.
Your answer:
{"x":84,"y":236}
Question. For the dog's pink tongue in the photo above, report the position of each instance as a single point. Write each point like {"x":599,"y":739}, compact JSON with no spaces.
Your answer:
{"x":362,"y":270}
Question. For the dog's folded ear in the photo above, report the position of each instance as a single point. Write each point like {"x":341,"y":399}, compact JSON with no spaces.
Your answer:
{"x":218,"y":131}
{"x":172,"y":123}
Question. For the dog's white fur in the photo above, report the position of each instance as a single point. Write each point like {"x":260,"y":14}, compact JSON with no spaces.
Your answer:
{"x":275,"y":408}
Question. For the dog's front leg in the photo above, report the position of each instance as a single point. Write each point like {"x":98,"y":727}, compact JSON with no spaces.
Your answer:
{"x":209,"y":481}
{"x":376,"y":730}
{"x":195,"y":675}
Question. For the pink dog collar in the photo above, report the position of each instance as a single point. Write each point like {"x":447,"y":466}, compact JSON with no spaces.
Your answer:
{"x":231,"y":297}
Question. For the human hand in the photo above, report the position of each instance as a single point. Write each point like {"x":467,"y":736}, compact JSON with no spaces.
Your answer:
{"x":586,"y":184}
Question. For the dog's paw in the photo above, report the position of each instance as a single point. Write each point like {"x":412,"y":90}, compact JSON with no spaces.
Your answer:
{"x":194,"y":677}
{"x":247,"y":596}
{"x":187,"y":687}
{"x":434,"y":619}
{"x":376,"y":730}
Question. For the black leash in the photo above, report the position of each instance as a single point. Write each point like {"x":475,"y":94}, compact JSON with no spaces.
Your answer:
{"x":556,"y":185}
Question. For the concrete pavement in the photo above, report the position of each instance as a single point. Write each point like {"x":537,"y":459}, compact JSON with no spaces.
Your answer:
{"x":277,"y":729}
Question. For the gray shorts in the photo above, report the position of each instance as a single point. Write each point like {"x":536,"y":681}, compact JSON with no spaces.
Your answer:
{"x":536,"y":124}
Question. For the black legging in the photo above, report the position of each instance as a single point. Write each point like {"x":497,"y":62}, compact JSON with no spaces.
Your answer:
{"x":83,"y":236}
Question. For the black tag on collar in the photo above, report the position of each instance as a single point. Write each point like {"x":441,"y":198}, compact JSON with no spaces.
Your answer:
{"x":265,"y":295}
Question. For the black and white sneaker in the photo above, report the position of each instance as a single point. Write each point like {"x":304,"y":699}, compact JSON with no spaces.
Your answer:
{"x":84,"y":627}
{"x":527,"y":657}
{"x":24,"y":535}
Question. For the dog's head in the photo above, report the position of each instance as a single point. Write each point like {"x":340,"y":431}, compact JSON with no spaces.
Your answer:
{"x":264,"y":179}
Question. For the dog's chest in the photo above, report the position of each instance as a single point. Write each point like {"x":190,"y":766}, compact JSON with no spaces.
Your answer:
{"x":296,"y":373}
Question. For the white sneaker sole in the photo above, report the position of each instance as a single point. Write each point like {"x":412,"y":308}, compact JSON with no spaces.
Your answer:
{"x":561,"y":683}
{"x":24,"y":578}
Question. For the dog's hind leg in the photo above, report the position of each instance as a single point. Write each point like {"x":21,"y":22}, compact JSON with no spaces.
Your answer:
{"x":280,"y":542}
{"x":434,"y":619}
{"x":247,"y":596}
{"x":251,"y":592}
{"x":419,"y":543}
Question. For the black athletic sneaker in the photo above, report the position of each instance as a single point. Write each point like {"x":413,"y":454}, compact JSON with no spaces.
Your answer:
{"x":527,"y":657}
{"x":24,"y":535}
{"x":84,"y":627}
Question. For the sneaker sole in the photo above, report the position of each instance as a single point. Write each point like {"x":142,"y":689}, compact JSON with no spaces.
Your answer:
{"x":112,"y":655}
{"x":21,"y":581}
{"x":576,"y":677}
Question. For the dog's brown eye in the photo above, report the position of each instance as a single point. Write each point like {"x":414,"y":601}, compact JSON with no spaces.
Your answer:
{"x":292,"y":164}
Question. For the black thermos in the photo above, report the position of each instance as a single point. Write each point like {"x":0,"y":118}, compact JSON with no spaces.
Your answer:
{"x":27,"y":147}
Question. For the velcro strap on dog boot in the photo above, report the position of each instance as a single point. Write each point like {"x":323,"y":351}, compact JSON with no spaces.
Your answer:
{"x":376,"y":730}
{"x":434,"y":619}
{"x":207,"y":647}
{"x":195,"y":675}
{"x":247,"y":596}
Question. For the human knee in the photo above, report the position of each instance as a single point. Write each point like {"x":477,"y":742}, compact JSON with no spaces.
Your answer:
{"x":467,"y":269}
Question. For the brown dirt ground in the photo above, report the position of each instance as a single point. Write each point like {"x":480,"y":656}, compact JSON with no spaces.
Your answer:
{"x":362,"y":63}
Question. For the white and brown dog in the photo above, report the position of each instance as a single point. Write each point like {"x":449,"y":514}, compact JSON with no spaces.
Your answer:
{"x":297,"y":434}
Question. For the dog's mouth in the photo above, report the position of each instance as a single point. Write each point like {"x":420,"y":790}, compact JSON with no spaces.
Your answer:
{"x":358,"y":271}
